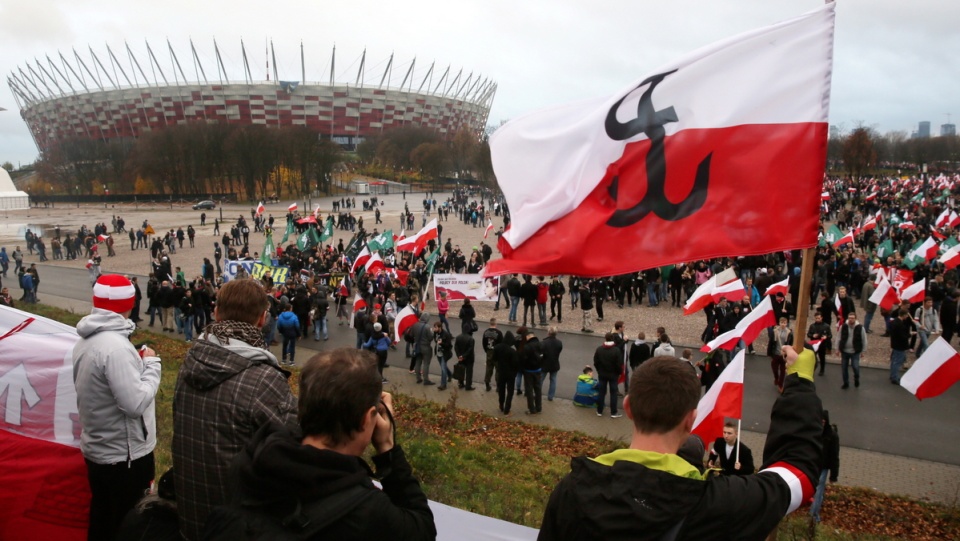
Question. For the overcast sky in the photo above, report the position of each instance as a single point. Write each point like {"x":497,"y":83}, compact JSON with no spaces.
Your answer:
{"x":896,"y":62}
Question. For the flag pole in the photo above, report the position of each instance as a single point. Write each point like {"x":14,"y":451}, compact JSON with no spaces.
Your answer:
{"x":806,"y":274}
{"x":738,"y":442}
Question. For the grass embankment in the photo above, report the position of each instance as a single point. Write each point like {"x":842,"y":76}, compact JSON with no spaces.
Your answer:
{"x":506,"y":469}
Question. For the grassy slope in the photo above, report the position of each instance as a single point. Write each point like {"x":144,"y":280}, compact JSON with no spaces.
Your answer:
{"x":506,"y":469}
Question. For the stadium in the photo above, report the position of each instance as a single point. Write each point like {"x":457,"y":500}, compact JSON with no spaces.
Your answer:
{"x":100,"y":97}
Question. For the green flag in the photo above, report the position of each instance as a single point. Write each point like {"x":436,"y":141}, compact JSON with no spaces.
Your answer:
{"x":266,"y":257}
{"x":308,"y":239}
{"x":383,"y":241}
{"x":432,"y":261}
{"x":947,"y":244}
{"x":353,"y":249}
{"x":894,"y":219}
{"x":327,"y":231}
{"x":885,"y":249}
{"x":914,"y":257}
{"x":288,"y":232}
{"x":832,"y":235}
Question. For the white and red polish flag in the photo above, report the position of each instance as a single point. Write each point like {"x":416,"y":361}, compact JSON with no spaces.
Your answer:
{"x":487,"y":231}
{"x":260,"y":208}
{"x":846,"y":239}
{"x":825,"y":196}
{"x":724,"y":399}
{"x":779,"y":287}
{"x":358,"y":304}
{"x":361,"y":260}
{"x":417,"y":243}
{"x":934,"y":372}
{"x":43,"y":478}
{"x":595,"y":187}
{"x":732,"y":291}
{"x":928,"y":250}
{"x":872,"y":196}
{"x":815,"y":344}
{"x":915,"y":293}
{"x":943,"y":219}
{"x":937,"y":235}
{"x":702,"y":297}
{"x":884,"y":295}
{"x":871,"y":223}
{"x":954,"y":219}
{"x":747,"y":329}
{"x":907,"y":225}
{"x":374,"y":265}
{"x":951,"y":258}
{"x":405,"y":319}
{"x":292,"y":207}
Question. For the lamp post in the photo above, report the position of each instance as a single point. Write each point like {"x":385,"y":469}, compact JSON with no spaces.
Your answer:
{"x":77,"y":189}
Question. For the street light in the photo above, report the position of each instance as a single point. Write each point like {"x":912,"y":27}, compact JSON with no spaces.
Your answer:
{"x":77,"y":188}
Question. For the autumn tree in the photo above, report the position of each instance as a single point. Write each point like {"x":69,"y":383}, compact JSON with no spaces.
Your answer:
{"x":859,"y":154}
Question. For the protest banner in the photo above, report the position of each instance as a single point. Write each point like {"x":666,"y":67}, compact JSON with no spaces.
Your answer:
{"x":466,"y":286}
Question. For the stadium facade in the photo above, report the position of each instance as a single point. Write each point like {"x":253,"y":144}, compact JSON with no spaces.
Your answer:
{"x":77,"y":97}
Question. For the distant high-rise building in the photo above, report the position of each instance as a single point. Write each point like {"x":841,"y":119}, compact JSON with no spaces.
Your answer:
{"x":923,"y":130}
{"x":948,"y":129}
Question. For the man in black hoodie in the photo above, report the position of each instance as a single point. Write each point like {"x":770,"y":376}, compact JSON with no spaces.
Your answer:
{"x":312,"y":479}
{"x":648,"y":492}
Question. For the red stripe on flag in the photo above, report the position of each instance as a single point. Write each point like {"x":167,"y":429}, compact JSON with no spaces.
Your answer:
{"x":737,"y":203}
{"x":801,"y":488}
{"x":941,"y":379}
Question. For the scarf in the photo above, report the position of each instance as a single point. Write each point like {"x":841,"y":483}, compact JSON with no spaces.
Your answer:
{"x":245,"y":332}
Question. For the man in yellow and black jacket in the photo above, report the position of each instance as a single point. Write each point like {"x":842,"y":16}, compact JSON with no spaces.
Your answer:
{"x":648,"y":492}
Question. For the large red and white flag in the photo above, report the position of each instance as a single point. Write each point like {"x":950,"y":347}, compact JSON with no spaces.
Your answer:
{"x":260,"y":208}
{"x":871,"y":223}
{"x":732,"y":291}
{"x":846,"y":239}
{"x":703,"y":296}
{"x":596,"y":186}
{"x":934,"y":372}
{"x":928,"y":250}
{"x":943,"y":219}
{"x":405,"y":319}
{"x":292,"y":207}
{"x":884,"y":295}
{"x":43,"y":478}
{"x":779,"y":287}
{"x":417,"y":243}
{"x":915,"y":292}
{"x":724,"y":399}
{"x":486,"y":232}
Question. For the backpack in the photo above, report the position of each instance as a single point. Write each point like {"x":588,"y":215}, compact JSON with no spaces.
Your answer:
{"x":237,"y":522}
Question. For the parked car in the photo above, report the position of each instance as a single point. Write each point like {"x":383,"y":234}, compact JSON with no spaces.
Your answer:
{"x":207,"y":205}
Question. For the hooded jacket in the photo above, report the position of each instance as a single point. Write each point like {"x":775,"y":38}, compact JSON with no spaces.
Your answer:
{"x":275,"y":475}
{"x":506,"y":357}
{"x":115,"y":390}
{"x":224,"y":393}
{"x":641,"y":495}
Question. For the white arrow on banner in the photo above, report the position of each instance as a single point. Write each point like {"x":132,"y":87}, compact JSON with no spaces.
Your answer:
{"x":18,"y":388}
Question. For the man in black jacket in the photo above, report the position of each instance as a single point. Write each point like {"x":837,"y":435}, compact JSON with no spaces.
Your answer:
{"x":491,"y":337}
{"x":531,"y":364}
{"x":300,"y":481}
{"x":463,"y":348}
{"x":609,"y":363}
{"x":599,"y":498}
{"x":723,"y":454}
{"x":551,"y":346}
{"x":528,"y":292}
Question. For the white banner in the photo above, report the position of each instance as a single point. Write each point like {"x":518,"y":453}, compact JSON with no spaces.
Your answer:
{"x":466,"y":286}
{"x":232,"y":268}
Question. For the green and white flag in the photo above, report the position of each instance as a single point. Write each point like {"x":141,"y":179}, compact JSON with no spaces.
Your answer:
{"x":948,"y":243}
{"x":327,"y":231}
{"x":885,"y":249}
{"x":383,"y":241}
{"x":266,"y":257}
{"x":288,"y":232}
{"x":432,"y":261}
{"x":894,"y":219}
{"x":831,"y":235}
{"x":915,"y":256}
{"x":308,"y":239}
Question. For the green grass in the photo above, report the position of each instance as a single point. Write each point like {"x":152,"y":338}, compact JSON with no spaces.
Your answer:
{"x":507,"y":469}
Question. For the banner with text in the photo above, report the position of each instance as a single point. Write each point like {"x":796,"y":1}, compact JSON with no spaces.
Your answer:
{"x":466,"y":286}
{"x":279,"y":274}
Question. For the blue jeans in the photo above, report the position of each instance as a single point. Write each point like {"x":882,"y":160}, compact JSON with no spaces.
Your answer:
{"x":320,"y":326}
{"x":518,"y":385}
{"x":176,"y":319}
{"x":542,"y":311}
{"x":361,"y":338}
{"x":574,"y":298}
{"x":188,"y":328}
{"x":289,"y":347}
{"x":924,"y":342}
{"x":897,"y":358}
{"x":818,"y":496}
{"x":444,"y":322}
{"x":846,"y":359}
{"x":552,"y":390}
{"x":604,"y":385}
{"x":445,"y":374}
{"x":866,"y":321}
{"x":154,"y":313}
{"x":270,"y":330}
{"x":514,"y":302}
{"x":652,"y":294}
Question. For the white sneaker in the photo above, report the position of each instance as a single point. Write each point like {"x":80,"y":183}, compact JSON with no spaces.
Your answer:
{"x":599,"y":414}
{"x":616,"y":416}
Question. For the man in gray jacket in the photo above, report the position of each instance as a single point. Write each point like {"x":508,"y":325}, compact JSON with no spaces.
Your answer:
{"x":116,"y":386}
{"x":228,"y":387}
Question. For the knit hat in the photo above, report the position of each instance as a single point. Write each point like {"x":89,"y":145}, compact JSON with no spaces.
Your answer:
{"x":113,"y":292}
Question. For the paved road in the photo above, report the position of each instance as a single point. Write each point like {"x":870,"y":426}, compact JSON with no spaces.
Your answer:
{"x":877,"y":417}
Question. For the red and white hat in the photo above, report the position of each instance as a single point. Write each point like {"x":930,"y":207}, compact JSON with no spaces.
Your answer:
{"x":113,"y":292}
